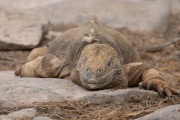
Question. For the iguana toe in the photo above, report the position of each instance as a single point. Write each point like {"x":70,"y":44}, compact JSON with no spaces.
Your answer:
{"x":17,"y":72}
{"x":162,"y":87}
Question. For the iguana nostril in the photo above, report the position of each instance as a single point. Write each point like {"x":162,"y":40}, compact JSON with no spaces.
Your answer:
{"x":88,"y":70}
{"x":99,"y":70}
{"x":87,"y":73}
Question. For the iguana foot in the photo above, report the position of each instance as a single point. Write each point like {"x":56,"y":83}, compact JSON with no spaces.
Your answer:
{"x":148,"y":78}
{"x":31,"y":69}
{"x":152,"y":79}
{"x":43,"y":66}
{"x":162,"y":87}
{"x":17,"y":72}
{"x":48,"y":66}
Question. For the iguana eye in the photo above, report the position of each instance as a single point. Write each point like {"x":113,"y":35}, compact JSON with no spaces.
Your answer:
{"x":109,"y":63}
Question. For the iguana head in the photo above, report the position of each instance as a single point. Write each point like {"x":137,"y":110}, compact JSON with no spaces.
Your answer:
{"x":99,"y":67}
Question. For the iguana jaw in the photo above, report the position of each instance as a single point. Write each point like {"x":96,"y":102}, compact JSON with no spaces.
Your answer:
{"x":95,"y":83}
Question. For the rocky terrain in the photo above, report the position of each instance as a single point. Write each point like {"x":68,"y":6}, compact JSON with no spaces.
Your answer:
{"x":27,"y":24}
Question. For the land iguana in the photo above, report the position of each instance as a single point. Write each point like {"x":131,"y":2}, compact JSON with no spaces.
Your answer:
{"x":95,"y":57}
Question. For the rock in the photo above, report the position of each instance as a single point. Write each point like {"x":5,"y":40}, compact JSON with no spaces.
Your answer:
{"x":24,"y":114}
{"x":52,"y":34}
{"x":167,"y":113}
{"x":19,"y":31}
{"x":136,"y":15}
{"x":42,"y":118}
{"x":5,"y":117}
{"x":26,"y":91}
{"x":5,"y":104}
{"x":26,"y":4}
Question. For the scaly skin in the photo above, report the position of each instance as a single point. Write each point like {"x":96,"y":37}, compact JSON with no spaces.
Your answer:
{"x":96,"y":58}
{"x":99,"y":67}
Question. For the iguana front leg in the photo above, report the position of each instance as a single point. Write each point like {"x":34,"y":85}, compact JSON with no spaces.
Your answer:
{"x":48,"y":66}
{"x":147,"y":77}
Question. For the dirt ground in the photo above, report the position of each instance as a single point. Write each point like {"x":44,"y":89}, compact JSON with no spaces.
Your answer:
{"x":167,"y":61}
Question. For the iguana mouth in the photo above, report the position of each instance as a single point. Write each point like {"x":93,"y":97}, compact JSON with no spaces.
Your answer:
{"x":96,"y":83}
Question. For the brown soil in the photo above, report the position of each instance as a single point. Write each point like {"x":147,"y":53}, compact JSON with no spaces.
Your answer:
{"x":166,"y":61}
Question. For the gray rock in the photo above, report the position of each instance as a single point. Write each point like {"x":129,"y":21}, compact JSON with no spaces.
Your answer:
{"x":19,"y":31}
{"x":167,"y":113}
{"x":42,"y":118}
{"x":136,"y":15}
{"x":52,"y":34}
{"x":19,"y":91}
{"x":4,"y":104}
{"x":24,"y":114}
{"x":5,"y":117}
{"x":26,"y":4}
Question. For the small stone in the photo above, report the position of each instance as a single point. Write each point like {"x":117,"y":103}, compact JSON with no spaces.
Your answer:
{"x":24,"y":114}
{"x":167,"y":113}
{"x":42,"y":118}
{"x":5,"y":117}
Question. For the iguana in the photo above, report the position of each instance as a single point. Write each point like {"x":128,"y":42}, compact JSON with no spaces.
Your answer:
{"x":94,"y":57}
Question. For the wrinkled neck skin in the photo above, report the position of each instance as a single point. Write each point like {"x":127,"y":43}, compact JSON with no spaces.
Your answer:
{"x":99,"y":67}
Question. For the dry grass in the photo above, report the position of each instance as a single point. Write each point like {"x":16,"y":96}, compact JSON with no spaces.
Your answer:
{"x":82,"y":110}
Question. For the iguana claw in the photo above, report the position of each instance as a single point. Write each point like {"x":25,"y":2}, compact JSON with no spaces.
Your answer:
{"x":162,"y":87}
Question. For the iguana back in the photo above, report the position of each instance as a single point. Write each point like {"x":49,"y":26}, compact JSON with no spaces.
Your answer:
{"x":70,"y":44}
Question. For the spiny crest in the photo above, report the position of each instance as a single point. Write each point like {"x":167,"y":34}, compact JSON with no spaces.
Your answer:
{"x":93,"y":23}
{"x":90,"y":38}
